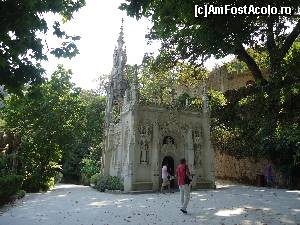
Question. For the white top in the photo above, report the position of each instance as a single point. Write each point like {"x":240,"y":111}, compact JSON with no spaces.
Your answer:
{"x":164,"y":172}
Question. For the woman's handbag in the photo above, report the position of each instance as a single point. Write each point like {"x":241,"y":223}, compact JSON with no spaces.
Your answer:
{"x":187,"y":179}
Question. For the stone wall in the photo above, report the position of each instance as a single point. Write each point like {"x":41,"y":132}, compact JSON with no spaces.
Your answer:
{"x":222,"y":80}
{"x":242,"y":170}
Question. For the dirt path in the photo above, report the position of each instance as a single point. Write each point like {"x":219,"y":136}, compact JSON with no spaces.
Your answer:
{"x":228,"y":205}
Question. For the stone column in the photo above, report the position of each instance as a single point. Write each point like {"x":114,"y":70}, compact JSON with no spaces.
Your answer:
{"x":208,"y":163}
{"x":128,"y":178}
{"x":155,"y":157}
{"x":106,"y":155}
{"x":190,"y":153}
{"x":129,"y":174}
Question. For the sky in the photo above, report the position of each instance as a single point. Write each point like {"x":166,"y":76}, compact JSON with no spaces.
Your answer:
{"x":98,"y":24}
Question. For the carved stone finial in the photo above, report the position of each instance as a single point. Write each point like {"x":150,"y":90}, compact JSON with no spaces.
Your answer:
{"x":122,"y":24}
{"x":135,"y":74}
{"x":117,"y":83}
{"x":121,"y":36}
{"x":205,"y":99}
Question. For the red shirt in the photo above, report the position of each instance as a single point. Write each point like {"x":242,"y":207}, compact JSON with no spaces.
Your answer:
{"x":181,"y":171}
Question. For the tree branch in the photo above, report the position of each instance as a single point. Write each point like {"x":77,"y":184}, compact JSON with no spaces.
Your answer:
{"x":271,"y":44}
{"x":243,"y":55}
{"x":290,"y":40}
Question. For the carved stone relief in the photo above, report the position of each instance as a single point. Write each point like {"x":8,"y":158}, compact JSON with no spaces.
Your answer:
{"x":168,"y":145}
{"x":197,"y":142}
{"x":145,"y":131}
{"x":126,"y":144}
{"x":115,"y":146}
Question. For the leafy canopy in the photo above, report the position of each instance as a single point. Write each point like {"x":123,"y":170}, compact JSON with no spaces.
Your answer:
{"x":160,"y":84}
{"x":185,"y":37}
{"x":22,"y":48}
{"x":262,"y":122}
{"x":59,"y":125}
{"x":46,"y":118}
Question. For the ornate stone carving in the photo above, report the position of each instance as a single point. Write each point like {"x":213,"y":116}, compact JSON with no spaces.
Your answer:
{"x":197,"y":142}
{"x":117,"y":83}
{"x":168,"y":145}
{"x":126,"y":143}
{"x":137,"y":137}
{"x":145,"y":131}
{"x":116,"y":141}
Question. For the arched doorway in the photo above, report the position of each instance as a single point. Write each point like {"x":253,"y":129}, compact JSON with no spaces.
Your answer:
{"x":171,"y":169}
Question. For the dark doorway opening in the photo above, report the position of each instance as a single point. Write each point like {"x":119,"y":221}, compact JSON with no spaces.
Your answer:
{"x":170,"y":165}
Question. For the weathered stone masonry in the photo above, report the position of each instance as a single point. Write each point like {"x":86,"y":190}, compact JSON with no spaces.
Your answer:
{"x":143,"y":136}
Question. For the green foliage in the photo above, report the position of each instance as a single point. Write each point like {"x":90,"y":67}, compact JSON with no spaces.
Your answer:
{"x":99,"y":182}
{"x":183,"y":99}
{"x":156,"y":85}
{"x":22,"y":45}
{"x":2,"y":124}
{"x":46,"y":118}
{"x":59,"y":125}
{"x":89,"y":167}
{"x":21,"y":194}
{"x":91,"y":138}
{"x":186,"y":101}
{"x":9,"y":185}
{"x":159,"y":81}
{"x":216,"y":99}
{"x":187,"y":37}
{"x":114,"y":183}
{"x":260,"y":57}
{"x":102,"y":183}
{"x":58,"y":177}
{"x":262,"y":123}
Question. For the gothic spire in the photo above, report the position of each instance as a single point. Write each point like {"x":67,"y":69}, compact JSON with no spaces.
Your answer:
{"x":121,"y":36}
{"x":120,"y":56}
{"x":118,"y":82}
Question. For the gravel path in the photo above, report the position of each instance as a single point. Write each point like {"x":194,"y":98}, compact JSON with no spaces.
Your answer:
{"x":227,"y":205}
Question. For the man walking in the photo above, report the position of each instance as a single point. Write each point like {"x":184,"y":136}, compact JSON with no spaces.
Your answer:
{"x":183,"y":177}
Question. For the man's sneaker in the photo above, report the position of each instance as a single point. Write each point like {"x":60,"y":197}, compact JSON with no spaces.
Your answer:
{"x":184,"y":211}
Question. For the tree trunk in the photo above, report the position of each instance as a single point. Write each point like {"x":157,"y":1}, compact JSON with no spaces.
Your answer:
{"x":253,"y":67}
{"x":272,"y":48}
{"x":277,"y":54}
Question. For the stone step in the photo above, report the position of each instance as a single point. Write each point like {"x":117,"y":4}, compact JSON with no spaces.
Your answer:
{"x":204,"y":185}
{"x":140,"y":192}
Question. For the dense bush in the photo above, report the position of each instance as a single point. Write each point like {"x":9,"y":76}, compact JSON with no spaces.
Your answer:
{"x":20,"y":194}
{"x":102,"y":183}
{"x":59,"y":125}
{"x":88,"y":143}
{"x":9,"y":185}
{"x":89,"y":167}
{"x":262,"y":123}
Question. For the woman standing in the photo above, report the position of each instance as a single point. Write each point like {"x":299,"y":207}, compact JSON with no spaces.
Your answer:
{"x":164,"y":175}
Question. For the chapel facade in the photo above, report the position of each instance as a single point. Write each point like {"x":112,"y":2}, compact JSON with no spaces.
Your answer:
{"x":139,"y":138}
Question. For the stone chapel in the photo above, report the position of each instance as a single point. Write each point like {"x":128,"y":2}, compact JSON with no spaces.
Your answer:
{"x":139,"y":138}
